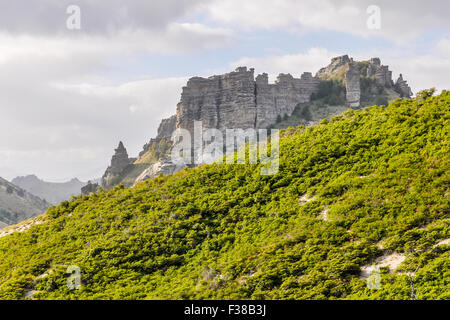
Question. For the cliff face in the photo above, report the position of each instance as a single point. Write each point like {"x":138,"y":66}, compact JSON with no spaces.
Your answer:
{"x":225,"y":101}
{"x":352,"y":85}
{"x":280,"y":99}
{"x":119,"y":162}
{"x":382,"y":74}
{"x":238,"y":100}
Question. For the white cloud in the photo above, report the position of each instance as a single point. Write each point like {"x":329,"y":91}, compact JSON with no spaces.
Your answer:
{"x":401,"y":21}
{"x":443,"y":47}
{"x":149,"y":97}
{"x":63,"y":115}
{"x":175,"y":38}
{"x":97,"y":17}
{"x":58,"y":130}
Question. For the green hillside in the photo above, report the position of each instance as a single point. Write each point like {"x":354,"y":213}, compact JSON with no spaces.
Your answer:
{"x":350,"y":191}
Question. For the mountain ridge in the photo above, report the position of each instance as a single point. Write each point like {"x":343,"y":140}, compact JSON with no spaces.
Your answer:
{"x":240,"y":100}
{"x":365,"y":190}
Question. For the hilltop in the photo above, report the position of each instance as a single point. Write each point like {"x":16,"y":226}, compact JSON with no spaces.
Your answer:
{"x":366,"y":188}
{"x":238,"y":99}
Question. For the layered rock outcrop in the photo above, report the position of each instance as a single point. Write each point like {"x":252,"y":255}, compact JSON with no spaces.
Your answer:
{"x":280,"y":99}
{"x":403,"y":88}
{"x":352,"y":85}
{"x":336,"y":69}
{"x":224,"y":101}
{"x":238,"y":100}
{"x":382,"y":74}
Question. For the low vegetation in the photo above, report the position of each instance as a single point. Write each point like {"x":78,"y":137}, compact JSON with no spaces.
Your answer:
{"x":366,"y":184}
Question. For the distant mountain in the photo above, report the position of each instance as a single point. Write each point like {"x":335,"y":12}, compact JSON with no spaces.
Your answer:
{"x":52,"y":192}
{"x":17,"y":204}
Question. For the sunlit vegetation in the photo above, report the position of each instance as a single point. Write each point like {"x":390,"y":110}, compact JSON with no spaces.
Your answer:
{"x":227,"y":232}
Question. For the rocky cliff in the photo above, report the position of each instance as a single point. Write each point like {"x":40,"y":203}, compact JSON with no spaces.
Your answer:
{"x":224,"y":101}
{"x":119,"y":162}
{"x":239,"y":100}
{"x":352,"y":85}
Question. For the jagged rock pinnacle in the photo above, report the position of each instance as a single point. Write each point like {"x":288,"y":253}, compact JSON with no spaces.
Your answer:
{"x":119,"y":162}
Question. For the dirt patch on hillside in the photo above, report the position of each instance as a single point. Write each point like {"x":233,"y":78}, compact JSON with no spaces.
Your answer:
{"x":21,"y":227}
{"x":391,"y":260}
{"x":442,"y":242}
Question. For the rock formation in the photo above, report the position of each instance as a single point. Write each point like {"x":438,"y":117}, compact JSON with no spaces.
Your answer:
{"x":119,"y":162}
{"x":403,"y":88}
{"x":349,"y":72}
{"x":280,"y":99}
{"x":335,"y":69}
{"x":89,"y":188}
{"x":382,"y":74}
{"x":238,"y":100}
{"x":352,"y":85}
{"x":224,"y":101}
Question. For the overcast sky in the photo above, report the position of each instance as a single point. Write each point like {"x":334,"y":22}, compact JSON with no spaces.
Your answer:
{"x":67,"y":96}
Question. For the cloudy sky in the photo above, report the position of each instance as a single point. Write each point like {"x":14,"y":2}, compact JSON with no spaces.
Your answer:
{"x":68,"y":94}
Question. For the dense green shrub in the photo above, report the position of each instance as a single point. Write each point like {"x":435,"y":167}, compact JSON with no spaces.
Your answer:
{"x":349,"y":190}
{"x":331,"y":91}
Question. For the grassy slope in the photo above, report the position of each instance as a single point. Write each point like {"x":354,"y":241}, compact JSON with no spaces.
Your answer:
{"x":225,"y":231}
